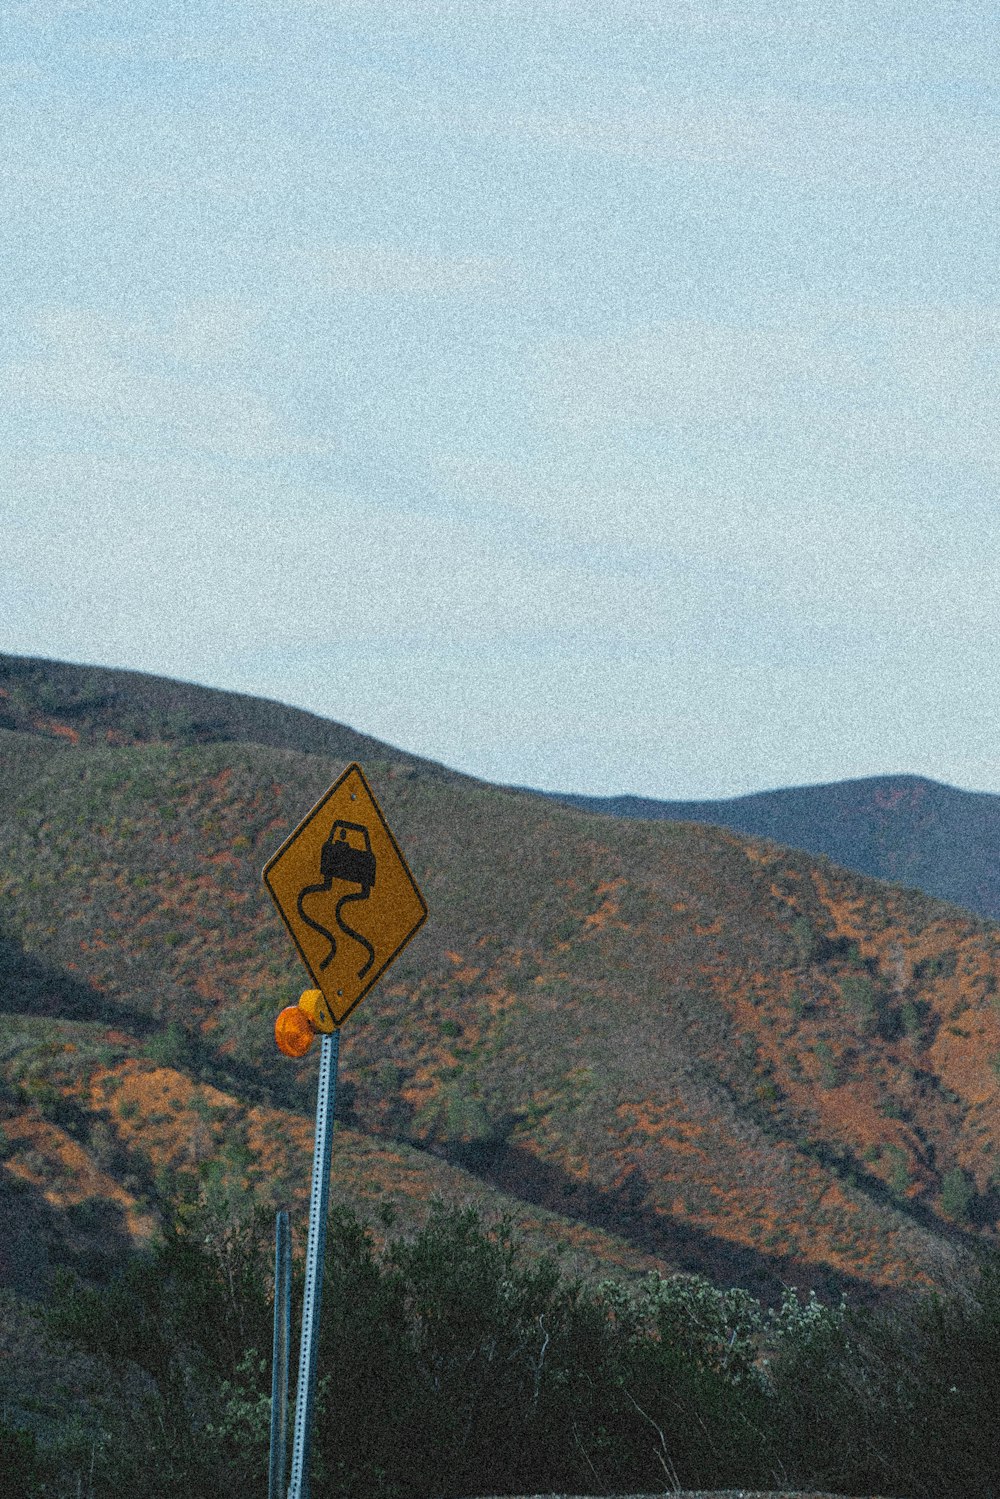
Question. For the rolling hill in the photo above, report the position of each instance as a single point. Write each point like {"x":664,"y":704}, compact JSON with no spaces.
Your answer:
{"x":905,"y":829}
{"x":651,"y":1042}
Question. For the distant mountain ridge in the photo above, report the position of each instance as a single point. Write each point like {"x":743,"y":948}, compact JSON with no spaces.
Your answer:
{"x":901,"y":828}
{"x":905,"y":829}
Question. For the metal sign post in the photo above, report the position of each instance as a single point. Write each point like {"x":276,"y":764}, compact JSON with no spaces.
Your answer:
{"x":279,"y":1365}
{"x":326,"y":1098}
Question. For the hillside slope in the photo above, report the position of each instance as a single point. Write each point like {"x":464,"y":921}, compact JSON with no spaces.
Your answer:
{"x":905,"y":829}
{"x":91,"y":705}
{"x":697,"y":1049}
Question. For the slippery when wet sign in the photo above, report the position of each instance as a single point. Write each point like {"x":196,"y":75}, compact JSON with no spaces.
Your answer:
{"x":345,"y":892}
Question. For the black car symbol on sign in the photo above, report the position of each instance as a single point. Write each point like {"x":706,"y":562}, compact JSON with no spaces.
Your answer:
{"x":346,"y":855}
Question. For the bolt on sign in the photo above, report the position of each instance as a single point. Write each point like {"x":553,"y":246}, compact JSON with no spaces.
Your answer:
{"x":345,"y":893}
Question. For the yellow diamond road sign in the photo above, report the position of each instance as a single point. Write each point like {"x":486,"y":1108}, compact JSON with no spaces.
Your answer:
{"x":345,"y":892}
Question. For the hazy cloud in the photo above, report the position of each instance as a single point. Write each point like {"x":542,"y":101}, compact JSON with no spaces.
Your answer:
{"x":140,"y":388}
{"x":888,"y":151}
{"x":849,"y":387}
{"x":382,"y":270}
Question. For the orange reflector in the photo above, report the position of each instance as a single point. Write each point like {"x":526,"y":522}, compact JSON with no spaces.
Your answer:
{"x":293,"y":1032}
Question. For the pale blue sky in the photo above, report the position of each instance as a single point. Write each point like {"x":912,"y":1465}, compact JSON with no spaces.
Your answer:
{"x":598,"y":397}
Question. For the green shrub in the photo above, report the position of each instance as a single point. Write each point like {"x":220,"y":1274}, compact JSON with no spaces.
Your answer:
{"x":912,"y":1019}
{"x":829,"y":1072}
{"x":711,"y":1329}
{"x":957,"y":1193}
{"x":170,"y":1047}
{"x":188,"y":1314}
{"x":899,"y":1170}
{"x":859,"y":997}
{"x":804,"y":941}
{"x":942,"y":965}
{"x":451,"y":1364}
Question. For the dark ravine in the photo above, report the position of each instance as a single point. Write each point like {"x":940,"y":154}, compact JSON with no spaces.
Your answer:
{"x":523,"y":1176}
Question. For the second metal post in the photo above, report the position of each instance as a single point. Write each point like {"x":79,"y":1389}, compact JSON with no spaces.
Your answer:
{"x":279,"y":1366}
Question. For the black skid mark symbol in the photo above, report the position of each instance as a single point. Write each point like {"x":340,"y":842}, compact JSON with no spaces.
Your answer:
{"x":350,"y":932}
{"x":342,"y":859}
{"x":314,"y":890}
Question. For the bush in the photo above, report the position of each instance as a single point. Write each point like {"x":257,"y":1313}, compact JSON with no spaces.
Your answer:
{"x":692,"y":1375}
{"x":859,"y":997}
{"x":451,"y":1364}
{"x":170,"y":1047}
{"x":804,"y":941}
{"x":899,"y":1169}
{"x":189,"y":1317}
{"x":942,"y":965}
{"x":829,"y":1072}
{"x":912,"y":1018}
{"x":957,"y":1192}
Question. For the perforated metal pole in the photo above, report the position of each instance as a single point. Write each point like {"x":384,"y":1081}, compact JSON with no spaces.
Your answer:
{"x":279,"y":1363}
{"x":326,"y":1098}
